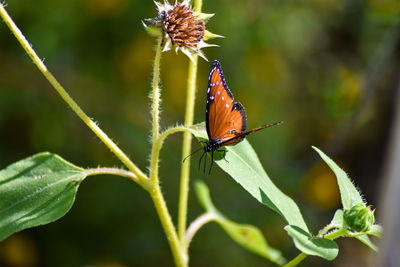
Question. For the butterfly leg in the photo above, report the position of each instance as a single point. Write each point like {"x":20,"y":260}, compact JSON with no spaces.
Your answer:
{"x":212,"y":161}
{"x":201,"y":159}
{"x":223,"y":150}
{"x":225,"y":155}
{"x":205,"y":163}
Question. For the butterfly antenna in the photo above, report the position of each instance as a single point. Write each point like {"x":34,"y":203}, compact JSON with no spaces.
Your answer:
{"x":273,"y":124}
{"x":268,"y":125}
{"x":262,"y":127}
{"x":197,"y":150}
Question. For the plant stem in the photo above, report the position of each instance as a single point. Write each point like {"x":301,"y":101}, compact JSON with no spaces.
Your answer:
{"x":155,"y":94}
{"x":335,"y":234}
{"x":180,"y":257}
{"x":326,"y":229}
{"x":114,"y":171}
{"x":186,"y":149}
{"x":67,"y":98}
{"x":296,"y":260}
{"x":157,"y":145}
{"x":169,"y":229}
{"x":170,"y":131}
{"x":198,"y":5}
{"x":196,"y":225}
{"x":187,"y":142}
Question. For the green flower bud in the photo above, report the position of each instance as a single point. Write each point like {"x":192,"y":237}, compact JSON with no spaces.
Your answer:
{"x":359,"y":218}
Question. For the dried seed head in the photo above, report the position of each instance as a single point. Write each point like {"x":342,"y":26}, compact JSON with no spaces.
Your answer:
{"x":181,"y":28}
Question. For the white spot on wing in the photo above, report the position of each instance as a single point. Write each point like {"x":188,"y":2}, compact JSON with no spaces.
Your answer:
{"x":212,"y":97}
{"x":219,"y":92}
{"x":223,"y":98}
{"x":226,"y":105}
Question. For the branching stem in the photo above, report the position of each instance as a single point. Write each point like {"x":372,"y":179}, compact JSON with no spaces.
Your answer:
{"x":196,"y":225}
{"x":178,"y":252}
{"x":67,"y":98}
{"x":113,"y":171}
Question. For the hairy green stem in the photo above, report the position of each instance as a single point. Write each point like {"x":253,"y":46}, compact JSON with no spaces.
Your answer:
{"x":336,"y":233}
{"x":157,"y":145}
{"x":156,"y":92}
{"x":114,"y":171}
{"x":67,"y":98}
{"x":155,"y":112}
{"x":187,"y":141}
{"x":179,"y":254}
{"x":326,"y":229}
{"x":180,"y":257}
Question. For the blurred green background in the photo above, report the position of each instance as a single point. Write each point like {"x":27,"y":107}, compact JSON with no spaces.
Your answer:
{"x":329,"y":69}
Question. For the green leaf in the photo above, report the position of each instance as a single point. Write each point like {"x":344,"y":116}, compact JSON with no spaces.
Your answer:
{"x":35,"y":191}
{"x":312,"y":245}
{"x":365,"y":239}
{"x":375,"y":230}
{"x":348,"y":192}
{"x":242,"y":164}
{"x":337,"y":220}
{"x":248,"y":236}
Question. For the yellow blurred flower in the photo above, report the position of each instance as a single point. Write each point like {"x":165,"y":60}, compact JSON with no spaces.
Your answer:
{"x":349,"y":89}
{"x":104,"y":8}
{"x":385,"y":7}
{"x":19,"y":250}
{"x":321,"y":188}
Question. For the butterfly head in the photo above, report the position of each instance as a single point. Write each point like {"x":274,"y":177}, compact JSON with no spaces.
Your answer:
{"x":212,"y":145}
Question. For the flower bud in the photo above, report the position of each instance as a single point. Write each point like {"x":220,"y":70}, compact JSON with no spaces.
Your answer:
{"x":359,"y":218}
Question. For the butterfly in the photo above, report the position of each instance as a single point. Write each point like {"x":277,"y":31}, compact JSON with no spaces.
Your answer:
{"x":226,"y":120}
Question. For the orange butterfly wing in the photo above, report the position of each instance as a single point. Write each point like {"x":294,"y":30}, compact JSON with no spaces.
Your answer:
{"x":225,"y":119}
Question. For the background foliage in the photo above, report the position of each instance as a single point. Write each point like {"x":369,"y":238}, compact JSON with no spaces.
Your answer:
{"x":329,"y":69}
